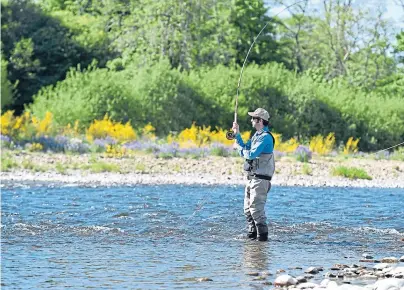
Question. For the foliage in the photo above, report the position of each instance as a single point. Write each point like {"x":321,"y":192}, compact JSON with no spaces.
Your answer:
{"x":306,"y":169}
{"x":85,"y":96}
{"x":351,"y":146}
{"x":350,"y":172}
{"x":39,"y":49}
{"x":106,"y":127}
{"x":26,"y":126}
{"x":7,"y":163}
{"x":322,"y":145}
{"x":7,"y":92}
{"x":98,"y":167}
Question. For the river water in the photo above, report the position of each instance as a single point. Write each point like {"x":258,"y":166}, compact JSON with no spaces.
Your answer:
{"x":159,"y":237}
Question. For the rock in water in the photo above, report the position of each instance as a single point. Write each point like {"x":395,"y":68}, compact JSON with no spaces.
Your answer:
{"x":285,"y":280}
{"x":203,"y":279}
{"x":390,"y":260}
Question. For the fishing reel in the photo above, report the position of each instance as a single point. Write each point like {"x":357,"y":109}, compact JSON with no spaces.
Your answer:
{"x":230,"y":135}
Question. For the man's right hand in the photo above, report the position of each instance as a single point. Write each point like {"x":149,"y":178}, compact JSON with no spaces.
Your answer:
{"x":235,"y":128}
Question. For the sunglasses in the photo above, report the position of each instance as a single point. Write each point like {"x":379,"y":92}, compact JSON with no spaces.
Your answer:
{"x":256,"y":119}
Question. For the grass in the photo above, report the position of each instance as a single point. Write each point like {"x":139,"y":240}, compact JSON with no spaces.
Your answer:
{"x":306,"y":169}
{"x":8,"y":163}
{"x":29,"y":165}
{"x":60,"y":168}
{"x":100,"y":166}
{"x":219,"y":151}
{"x":351,"y":172}
{"x":140,"y":167}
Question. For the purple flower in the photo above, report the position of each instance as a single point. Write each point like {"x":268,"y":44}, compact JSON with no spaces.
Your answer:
{"x":104,"y":142}
{"x":5,"y":139}
{"x":303,"y":153}
{"x":219,"y":149}
{"x":139,"y":145}
{"x":278,"y":154}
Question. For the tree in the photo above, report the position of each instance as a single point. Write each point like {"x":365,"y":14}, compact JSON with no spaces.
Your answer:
{"x":38,"y":48}
{"x":6,"y":88}
{"x":249,"y":17}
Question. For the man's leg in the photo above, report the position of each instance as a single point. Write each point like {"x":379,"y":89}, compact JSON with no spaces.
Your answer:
{"x":259,"y":189}
{"x":252,"y":229}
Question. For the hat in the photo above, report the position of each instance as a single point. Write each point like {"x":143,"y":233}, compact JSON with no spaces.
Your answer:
{"x":260,"y":113}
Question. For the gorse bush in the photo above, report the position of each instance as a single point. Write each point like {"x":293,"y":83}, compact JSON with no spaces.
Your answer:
{"x":107,"y":128}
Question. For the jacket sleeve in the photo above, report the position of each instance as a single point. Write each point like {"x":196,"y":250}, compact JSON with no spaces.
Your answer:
{"x":242,"y":146}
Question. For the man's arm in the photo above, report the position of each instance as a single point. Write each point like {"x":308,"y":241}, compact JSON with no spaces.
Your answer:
{"x":242,"y":146}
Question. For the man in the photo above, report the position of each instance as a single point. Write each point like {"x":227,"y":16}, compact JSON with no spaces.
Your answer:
{"x":260,"y":166}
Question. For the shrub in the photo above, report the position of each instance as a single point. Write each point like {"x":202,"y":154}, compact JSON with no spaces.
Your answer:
{"x":351,"y":146}
{"x":350,"y":172}
{"x":108,"y":128}
{"x":322,"y":145}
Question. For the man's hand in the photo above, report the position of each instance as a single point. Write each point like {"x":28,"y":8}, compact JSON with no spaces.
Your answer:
{"x":235,"y":128}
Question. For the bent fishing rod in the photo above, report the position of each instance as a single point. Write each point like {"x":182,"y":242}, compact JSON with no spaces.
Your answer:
{"x":230,"y":134}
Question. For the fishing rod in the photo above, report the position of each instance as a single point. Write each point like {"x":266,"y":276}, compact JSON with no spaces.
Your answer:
{"x":230,"y":134}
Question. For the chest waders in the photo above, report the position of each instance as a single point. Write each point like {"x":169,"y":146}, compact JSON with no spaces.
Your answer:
{"x":259,"y":174}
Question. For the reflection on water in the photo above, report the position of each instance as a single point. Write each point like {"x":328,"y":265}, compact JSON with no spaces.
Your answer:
{"x":256,"y":256}
{"x":152,"y":237}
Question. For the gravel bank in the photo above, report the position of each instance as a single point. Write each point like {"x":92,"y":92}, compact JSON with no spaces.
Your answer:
{"x":147,"y":169}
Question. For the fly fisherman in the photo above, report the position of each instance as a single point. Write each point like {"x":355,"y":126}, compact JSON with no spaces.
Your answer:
{"x":260,"y":166}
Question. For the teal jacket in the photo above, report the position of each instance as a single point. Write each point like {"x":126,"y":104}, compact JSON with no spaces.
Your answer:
{"x":259,"y":143}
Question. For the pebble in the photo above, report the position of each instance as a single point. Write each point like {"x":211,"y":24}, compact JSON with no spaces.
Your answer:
{"x":253,"y":274}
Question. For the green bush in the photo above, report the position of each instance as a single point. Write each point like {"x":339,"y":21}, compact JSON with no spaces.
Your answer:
{"x":350,"y":172}
{"x":85,"y":96}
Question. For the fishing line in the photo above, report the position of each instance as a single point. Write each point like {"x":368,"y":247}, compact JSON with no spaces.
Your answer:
{"x":230,"y":134}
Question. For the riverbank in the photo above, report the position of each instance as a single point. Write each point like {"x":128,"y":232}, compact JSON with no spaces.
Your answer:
{"x":98,"y":169}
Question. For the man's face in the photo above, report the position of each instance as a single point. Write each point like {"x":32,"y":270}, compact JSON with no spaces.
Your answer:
{"x":255,"y":122}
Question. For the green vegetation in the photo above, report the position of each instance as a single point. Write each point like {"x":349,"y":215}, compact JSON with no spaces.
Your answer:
{"x":8,"y":162}
{"x":351,"y":172}
{"x":60,"y":168}
{"x":306,"y":169}
{"x":98,"y":167}
{"x":171,"y":63}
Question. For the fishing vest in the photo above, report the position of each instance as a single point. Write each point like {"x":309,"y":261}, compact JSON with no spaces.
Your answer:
{"x":262,"y":166}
